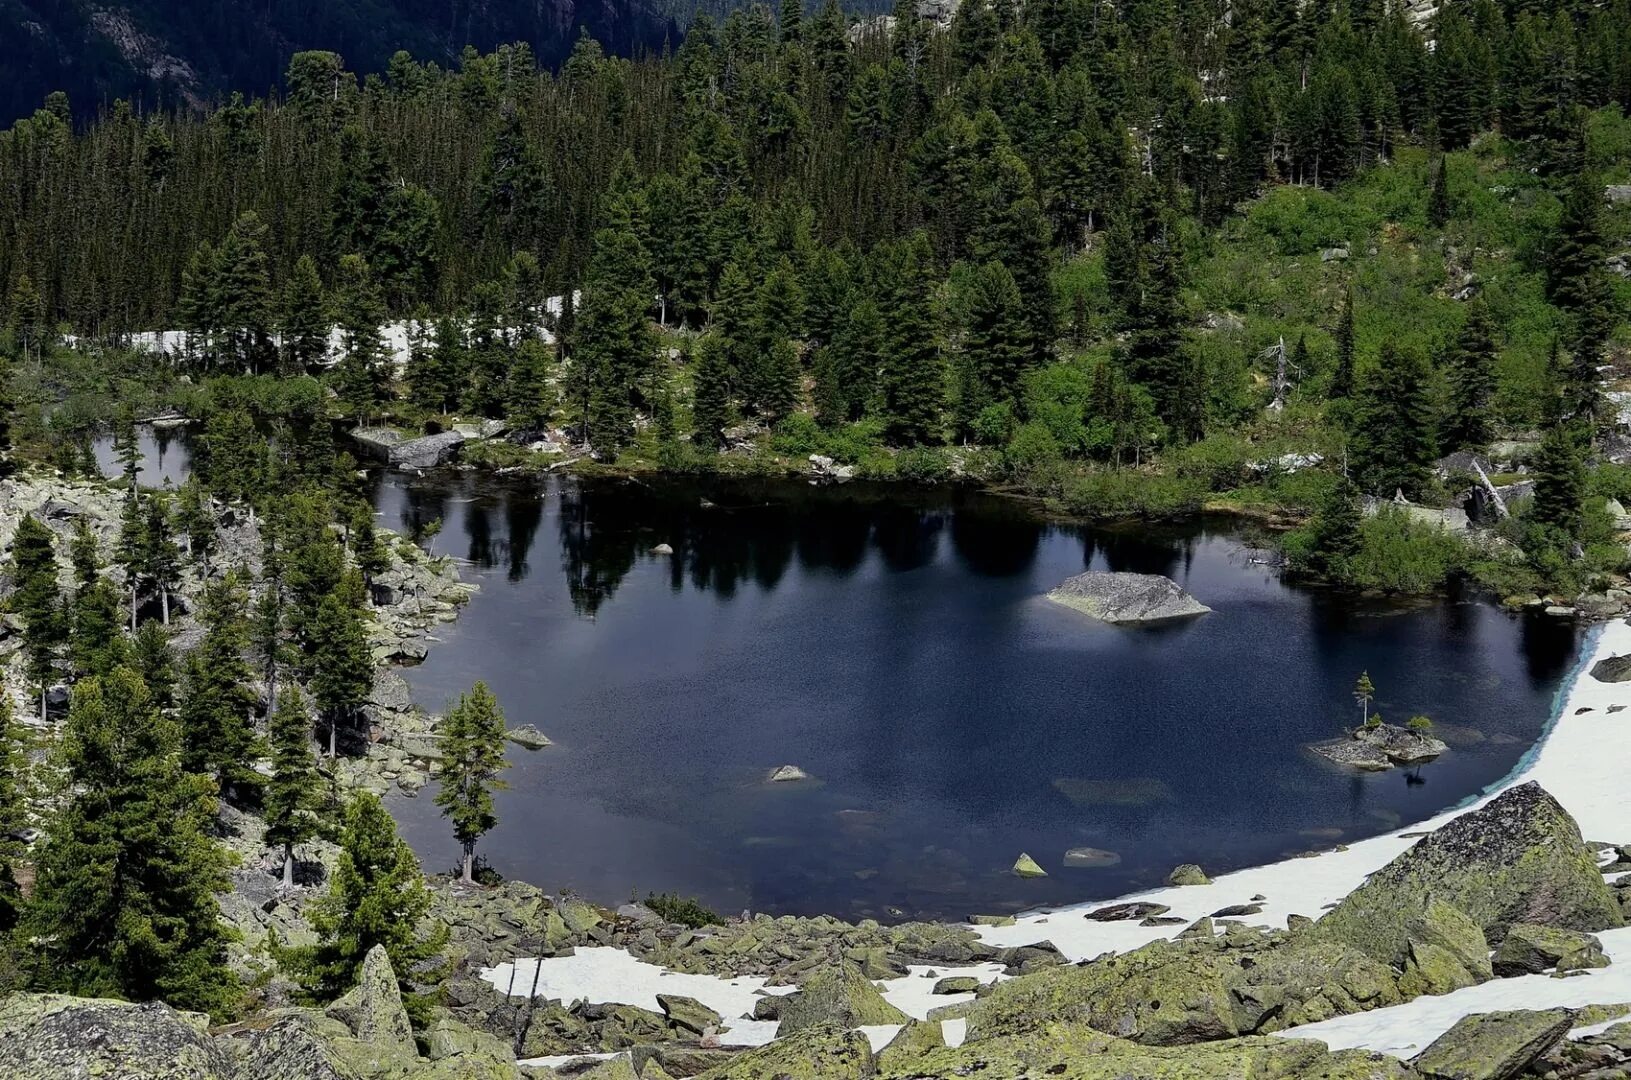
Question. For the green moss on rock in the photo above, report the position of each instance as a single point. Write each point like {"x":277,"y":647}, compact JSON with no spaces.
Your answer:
{"x":1518,"y":859}
{"x":817,"y":1053}
{"x":1493,"y":1046}
{"x":837,"y":995}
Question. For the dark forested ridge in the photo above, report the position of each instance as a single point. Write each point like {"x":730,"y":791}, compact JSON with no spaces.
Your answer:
{"x":176,"y":53}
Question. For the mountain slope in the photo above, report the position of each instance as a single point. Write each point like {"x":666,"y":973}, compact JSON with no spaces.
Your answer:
{"x":173,"y":52}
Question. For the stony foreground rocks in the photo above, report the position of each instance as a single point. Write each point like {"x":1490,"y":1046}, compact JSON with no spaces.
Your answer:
{"x":1126,"y":599}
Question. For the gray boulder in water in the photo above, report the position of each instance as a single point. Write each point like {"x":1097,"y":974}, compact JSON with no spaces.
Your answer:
{"x":1127,"y":598}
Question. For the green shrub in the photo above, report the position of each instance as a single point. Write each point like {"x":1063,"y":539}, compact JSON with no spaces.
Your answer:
{"x":682,"y":909}
{"x":798,"y":435}
{"x":922,"y":464}
{"x":1400,"y":554}
{"x":1130,"y":493}
{"x":1033,"y":447}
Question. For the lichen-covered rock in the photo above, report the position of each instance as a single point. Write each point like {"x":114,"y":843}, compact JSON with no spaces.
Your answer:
{"x":297,"y":1043}
{"x":1447,"y":951}
{"x":688,"y":1013}
{"x":817,"y":1053}
{"x":448,"y":1038}
{"x":1027,"y":867}
{"x":837,"y":995}
{"x":1070,"y":1052}
{"x":1126,"y":598}
{"x":1188,"y":874}
{"x":1192,"y":990}
{"x":1401,"y":745}
{"x":373,"y":1008}
{"x":1518,"y":859}
{"x":1492,"y":1046}
{"x":1529,"y":949}
{"x":54,"y":1037}
{"x":910,"y":1042}
{"x":1612,"y":669}
{"x":957,"y":984}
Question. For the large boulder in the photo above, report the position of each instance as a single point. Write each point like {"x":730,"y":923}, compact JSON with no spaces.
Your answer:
{"x":1126,"y":599}
{"x":297,"y":1043}
{"x":1493,"y":1046}
{"x":372,"y":1009}
{"x":1518,"y":859}
{"x":836,"y":995}
{"x":1612,"y":669}
{"x":427,"y":451}
{"x":1447,"y":951}
{"x":55,"y":1037}
{"x":1192,"y":990}
{"x":817,"y":1053}
{"x":1529,"y":950}
{"x":1071,"y":1052}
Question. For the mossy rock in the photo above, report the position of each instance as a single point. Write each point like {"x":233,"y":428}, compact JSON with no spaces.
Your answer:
{"x":52,"y":1036}
{"x":1518,"y":859}
{"x":1529,"y":950}
{"x":836,"y":995}
{"x":1493,"y":1046}
{"x":910,"y":1042}
{"x":817,"y":1053}
{"x":1188,"y":874}
{"x":1073,"y":1052}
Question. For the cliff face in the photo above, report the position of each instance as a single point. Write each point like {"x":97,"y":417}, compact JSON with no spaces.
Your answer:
{"x":173,"y":53}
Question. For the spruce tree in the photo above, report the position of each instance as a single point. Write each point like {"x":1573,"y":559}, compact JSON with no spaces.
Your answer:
{"x":376,"y":896}
{"x":161,"y":561}
{"x":154,"y":659}
{"x":994,"y":350}
{"x":124,"y":897}
{"x":340,"y":669}
{"x":1333,"y":532}
{"x":473,"y":756}
{"x":363,"y":369}
{"x":304,"y":320}
{"x":293,"y":792}
{"x":1560,"y":479}
{"x":913,"y":381}
{"x":1438,"y":200}
{"x":1342,"y":379}
{"x":1392,"y":441}
{"x":1471,"y":368}
{"x":13,"y":813}
{"x":244,"y":289}
{"x":711,"y":379}
{"x":37,"y":600}
{"x":195,"y":518}
{"x":218,"y":702}
{"x":95,"y":642}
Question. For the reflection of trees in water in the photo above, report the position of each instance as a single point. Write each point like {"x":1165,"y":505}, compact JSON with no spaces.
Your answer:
{"x":522,"y":514}
{"x":423,"y":504}
{"x":834,"y":539}
{"x":907,"y":538}
{"x":1548,"y":646}
{"x":478,"y":530}
{"x":595,"y":556}
{"x":995,"y":546}
{"x":1140,"y":552}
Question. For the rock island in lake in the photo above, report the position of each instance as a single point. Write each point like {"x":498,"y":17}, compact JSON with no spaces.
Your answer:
{"x":1127,"y":599}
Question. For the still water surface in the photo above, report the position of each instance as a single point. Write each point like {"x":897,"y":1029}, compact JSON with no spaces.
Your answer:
{"x":898,"y":649}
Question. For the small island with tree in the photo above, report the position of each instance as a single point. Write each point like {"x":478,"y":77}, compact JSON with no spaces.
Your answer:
{"x":1377,"y":746}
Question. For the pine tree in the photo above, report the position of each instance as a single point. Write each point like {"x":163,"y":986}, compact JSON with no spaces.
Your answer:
{"x":195,"y":518}
{"x":293,"y":792}
{"x":37,"y":600}
{"x":95,"y":644}
{"x":304,"y":320}
{"x":363,"y":369}
{"x":244,"y":290}
{"x":124,"y":897}
{"x":1471,"y":369}
{"x":994,"y":348}
{"x":473,"y":756}
{"x":913,"y":382}
{"x":13,"y":813}
{"x":1333,"y":533}
{"x":615,"y":350}
{"x":218,"y":702}
{"x":1342,"y":379}
{"x":376,"y":896}
{"x":154,"y":659}
{"x":1560,"y":479}
{"x":1438,"y":200}
{"x":1393,"y":428}
{"x":1364,"y":693}
{"x":710,"y":411}
{"x":340,"y":668}
{"x":161,"y":562}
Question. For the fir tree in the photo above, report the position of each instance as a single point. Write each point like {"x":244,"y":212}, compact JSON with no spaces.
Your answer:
{"x":1560,"y":479}
{"x":304,"y":320}
{"x":994,"y":349}
{"x":710,"y":411}
{"x":340,"y":668}
{"x":37,"y":600}
{"x":154,"y":659}
{"x":913,"y":382}
{"x":1342,"y":379}
{"x":362,"y":371}
{"x":124,"y":902}
{"x":161,"y":562}
{"x":473,"y":756}
{"x":1333,"y":533}
{"x":376,"y":896}
{"x":293,"y":792}
{"x":1438,"y":200}
{"x":195,"y":518}
{"x":95,"y":644}
{"x":13,"y":813}
{"x":244,"y":294}
{"x":218,"y":702}
{"x":1471,"y":369}
{"x":1364,"y":693}
{"x":1393,"y":427}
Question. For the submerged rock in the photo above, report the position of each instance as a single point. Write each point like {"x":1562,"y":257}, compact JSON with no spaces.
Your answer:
{"x":1518,"y":859}
{"x":1090,"y":858}
{"x":528,"y":737}
{"x":1127,"y":598}
{"x":787,"y":774}
{"x":1493,"y":1046}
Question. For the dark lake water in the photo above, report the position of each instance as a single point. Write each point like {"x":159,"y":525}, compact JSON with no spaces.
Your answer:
{"x":898,"y":649}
